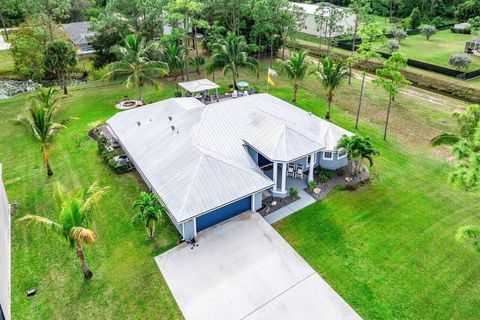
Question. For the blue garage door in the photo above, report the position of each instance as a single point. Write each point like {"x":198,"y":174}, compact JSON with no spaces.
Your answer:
{"x":224,"y":213}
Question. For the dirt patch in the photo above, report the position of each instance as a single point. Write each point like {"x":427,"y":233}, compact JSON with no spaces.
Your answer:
{"x":350,"y":183}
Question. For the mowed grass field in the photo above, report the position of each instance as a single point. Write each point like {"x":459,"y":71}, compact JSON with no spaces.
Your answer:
{"x":387,"y":248}
{"x":438,"y":49}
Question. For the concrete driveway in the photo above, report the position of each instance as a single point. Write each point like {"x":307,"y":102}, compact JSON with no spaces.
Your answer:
{"x":243,"y":269}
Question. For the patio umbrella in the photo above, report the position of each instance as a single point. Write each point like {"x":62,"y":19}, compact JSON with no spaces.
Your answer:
{"x":242,"y":84}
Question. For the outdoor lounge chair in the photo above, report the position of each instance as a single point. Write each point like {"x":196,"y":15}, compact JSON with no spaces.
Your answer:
{"x":291,"y":170}
{"x":299,"y":171}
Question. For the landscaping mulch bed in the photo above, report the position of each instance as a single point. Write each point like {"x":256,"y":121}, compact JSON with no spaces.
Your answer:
{"x":280,"y":203}
{"x":352,"y":185}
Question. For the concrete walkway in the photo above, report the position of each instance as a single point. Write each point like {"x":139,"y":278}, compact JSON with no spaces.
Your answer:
{"x":4,"y":45}
{"x":305,"y":200}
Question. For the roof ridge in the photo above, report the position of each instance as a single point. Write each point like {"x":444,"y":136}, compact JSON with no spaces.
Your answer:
{"x":193,"y":176}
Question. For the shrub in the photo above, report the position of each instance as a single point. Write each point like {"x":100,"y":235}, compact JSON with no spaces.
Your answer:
{"x":177,"y":94}
{"x":108,"y":157}
{"x":311,"y":185}
{"x":399,"y":35}
{"x":428,"y":31}
{"x":437,"y":21}
{"x":392,"y":46}
{"x":322,"y":175}
{"x":293,"y":192}
{"x":415,"y":18}
{"x":406,"y":23}
{"x":340,"y":172}
{"x":460,"y":61}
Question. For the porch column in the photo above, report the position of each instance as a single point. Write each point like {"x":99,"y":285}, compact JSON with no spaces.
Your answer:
{"x":275,"y":175}
{"x":312,"y":166}
{"x":284,"y":177}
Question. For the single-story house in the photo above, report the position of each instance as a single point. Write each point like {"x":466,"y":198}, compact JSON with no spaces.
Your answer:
{"x":208,"y":163}
{"x":80,"y":35}
{"x":310,"y":11}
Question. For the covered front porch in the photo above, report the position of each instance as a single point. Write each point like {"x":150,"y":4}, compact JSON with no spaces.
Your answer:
{"x":298,"y":183}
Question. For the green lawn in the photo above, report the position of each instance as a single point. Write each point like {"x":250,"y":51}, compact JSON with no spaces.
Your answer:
{"x":6,"y":61}
{"x":438,"y":49}
{"x":127,"y":283}
{"x":387,"y":248}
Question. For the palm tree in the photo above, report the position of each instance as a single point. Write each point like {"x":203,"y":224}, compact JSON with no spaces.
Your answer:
{"x":46,"y":96}
{"x":357,"y":149}
{"x":296,"y":68}
{"x":230,"y":54}
{"x":331,"y":75}
{"x":467,"y":123}
{"x":74,"y":219}
{"x":177,"y":60}
{"x":150,"y":212}
{"x":135,"y":67}
{"x":39,"y":119}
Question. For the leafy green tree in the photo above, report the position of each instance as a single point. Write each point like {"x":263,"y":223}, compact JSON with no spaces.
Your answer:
{"x":467,"y":9}
{"x":299,"y":16}
{"x":331,"y":76}
{"x":391,"y":80}
{"x":189,"y":11}
{"x":28,"y":55}
{"x":361,"y":9}
{"x":296,"y":68}
{"x":231,"y":54}
{"x":52,"y":10}
{"x":60,"y":57}
{"x":74,"y":219}
{"x":358,"y":149}
{"x":135,"y":66}
{"x":150,"y":211}
{"x":364,"y":54}
{"x":39,"y":119}
{"x":415,"y":18}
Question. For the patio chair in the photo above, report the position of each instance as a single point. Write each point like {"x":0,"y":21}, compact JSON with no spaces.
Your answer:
{"x":245,"y":93}
{"x":299,"y":171}
{"x":234,"y":94}
{"x":291,"y":170}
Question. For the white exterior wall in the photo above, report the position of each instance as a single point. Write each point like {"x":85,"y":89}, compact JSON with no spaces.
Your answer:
{"x":5,"y":241}
{"x":311,"y":26}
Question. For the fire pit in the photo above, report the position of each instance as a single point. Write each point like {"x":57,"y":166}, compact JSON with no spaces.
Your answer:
{"x":128,"y":104}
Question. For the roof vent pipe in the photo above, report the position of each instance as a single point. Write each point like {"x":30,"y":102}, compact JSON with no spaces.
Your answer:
{"x":138,"y":123}
{"x":173,"y":128}
{"x":170,"y":118}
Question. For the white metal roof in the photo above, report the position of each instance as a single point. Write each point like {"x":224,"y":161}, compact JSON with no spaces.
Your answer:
{"x":197,"y":161}
{"x":198,"y":85}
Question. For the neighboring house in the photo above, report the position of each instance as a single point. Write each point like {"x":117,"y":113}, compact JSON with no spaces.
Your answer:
{"x":5,"y":247}
{"x":310,"y":25}
{"x":208,"y":163}
{"x":80,"y":36}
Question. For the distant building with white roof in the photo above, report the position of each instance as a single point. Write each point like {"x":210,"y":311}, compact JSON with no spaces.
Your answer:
{"x":311,"y":10}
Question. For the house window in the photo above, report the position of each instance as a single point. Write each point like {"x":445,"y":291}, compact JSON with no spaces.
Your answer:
{"x":341,"y":154}
{"x":328,"y":155}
